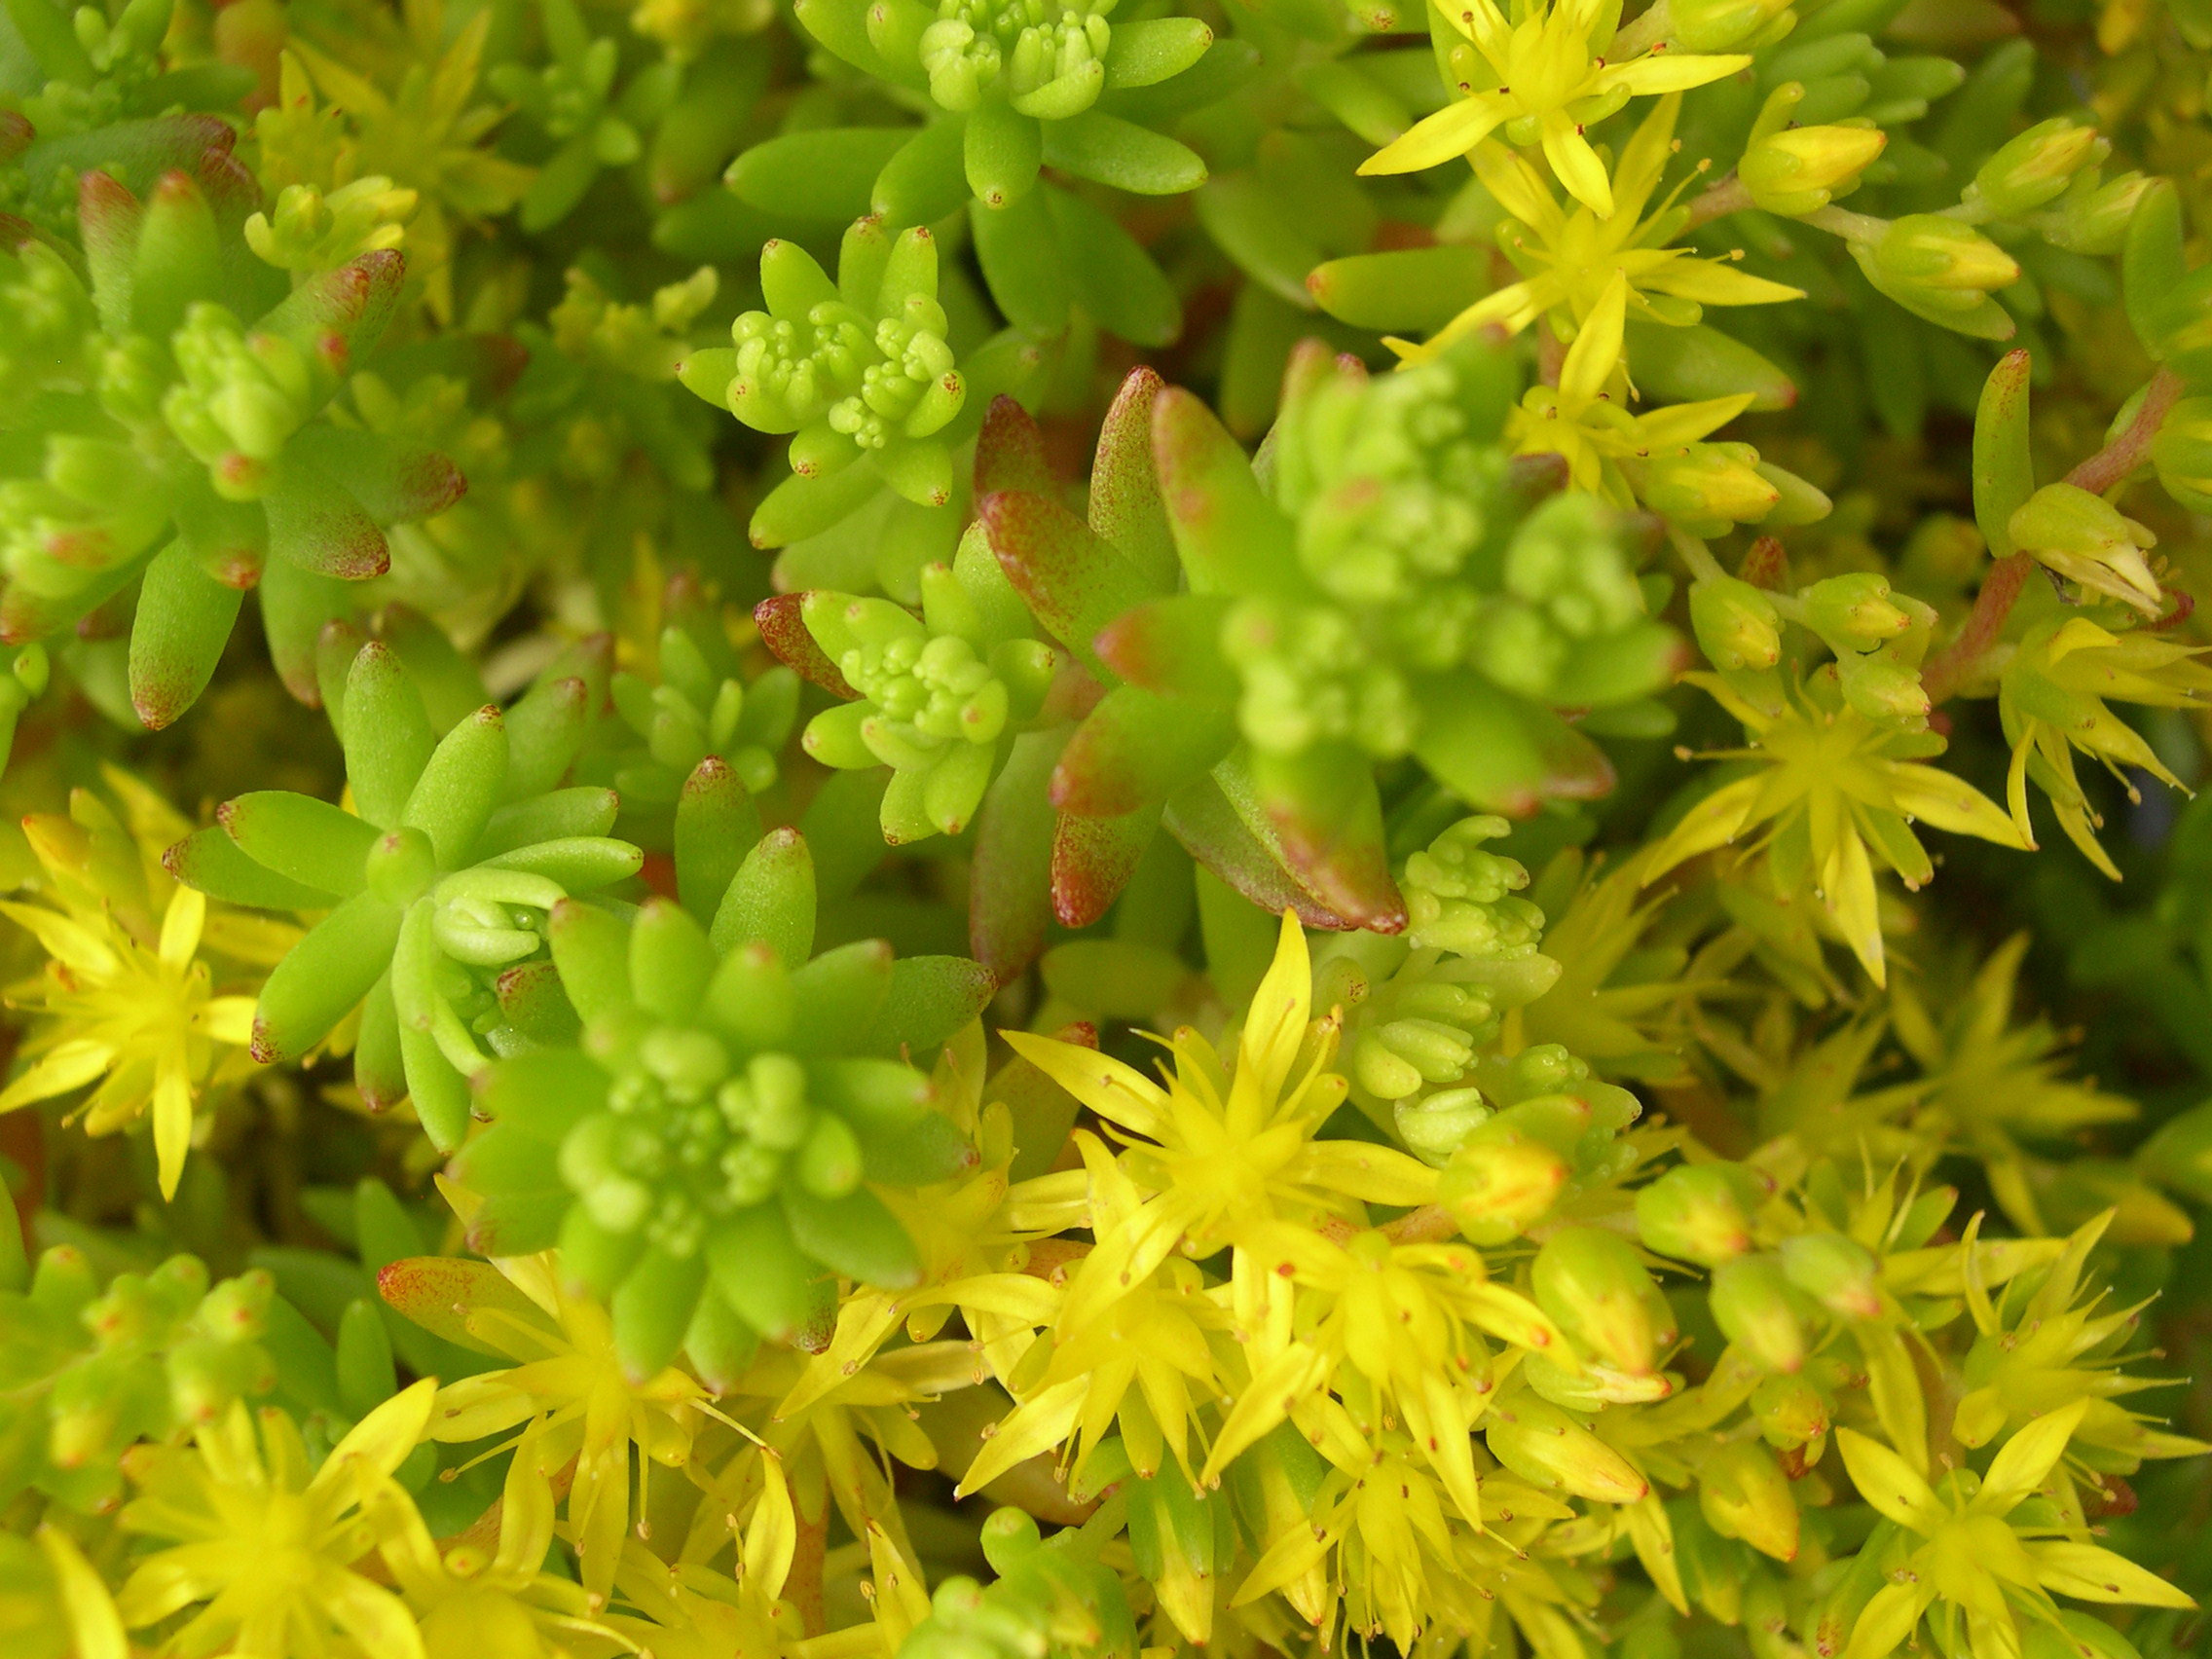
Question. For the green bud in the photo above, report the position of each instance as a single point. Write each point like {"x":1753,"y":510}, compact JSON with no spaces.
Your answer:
{"x":1435,"y":1126}
{"x":1754,"y":1305}
{"x":1592,"y":1284}
{"x":1852,"y":612}
{"x":1837,"y":1272}
{"x":1886,"y":690}
{"x":1501,"y":1181}
{"x":2034,"y":168}
{"x":1791,"y":1414}
{"x":1551,"y":1451}
{"x":2093,"y":218}
{"x":1696,"y":1212}
{"x":1708,"y":483}
{"x":1459,"y":898}
{"x":2083,"y":537}
{"x":1743,"y":1494}
{"x":1795,"y":170}
{"x":1736,"y":624}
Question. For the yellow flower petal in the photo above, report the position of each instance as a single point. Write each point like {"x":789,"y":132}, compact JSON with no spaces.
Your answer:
{"x":2088,"y":1573}
{"x":381,"y":1440}
{"x":1577,"y":165}
{"x":771,"y":1541}
{"x":1889,"y":1483}
{"x":1450,"y":132}
{"x":1687,"y":423}
{"x":1713,"y":822}
{"x":1276,"y":1023}
{"x":1597,"y":348}
{"x":172,"y":1120}
{"x":181,"y":923}
{"x":1888,"y":1619}
{"x":2026,"y":1460}
{"x":1710,"y":282}
{"x":1118,"y":1093}
{"x":1037,"y":1424}
{"x":1670,"y":72}
{"x":1934,"y":795}
{"x":95,"y":1626}
{"x":1848,"y":882}
{"x":227,"y":1020}
{"x":61,"y":1068}
{"x":67,"y":941}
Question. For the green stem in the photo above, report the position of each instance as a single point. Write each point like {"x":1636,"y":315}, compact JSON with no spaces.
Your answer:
{"x":1697,"y":556}
{"x":1844,"y":223}
{"x":1720,"y":198}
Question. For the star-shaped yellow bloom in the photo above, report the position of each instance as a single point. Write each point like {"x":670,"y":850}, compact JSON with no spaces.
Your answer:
{"x":1840,"y":793}
{"x":2051,"y":701}
{"x":1972,"y":1559}
{"x":1583,"y":420}
{"x":1548,"y":80}
{"x":1569,"y":259}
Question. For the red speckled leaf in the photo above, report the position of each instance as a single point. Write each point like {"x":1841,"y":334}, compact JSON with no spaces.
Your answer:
{"x":1328,"y":816}
{"x":784,"y":631}
{"x":1221,"y":824}
{"x":1010,"y":452}
{"x":1073,"y":583}
{"x":1232,"y":537}
{"x":340,"y":315}
{"x":1136,"y":749}
{"x":1172,"y":644}
{"x":1125,"y":508}
{"x":316,"y":523}
{"x":1093,"y":858}
{"x":439,"y":1293}
{"x":1010,"y":899}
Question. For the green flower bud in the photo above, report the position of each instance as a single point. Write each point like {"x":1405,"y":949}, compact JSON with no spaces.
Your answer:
{"x":1884,"y":690}
{"x":1852,"y":612}
{"x":2034,"y":168}
{"x":1837,"y":1272}
{"x":2083,"y":537}
{"x":1725,"y":25}
{"x":1551,"y":1451}
{"x":1941,"y":269}
{"x":857,"y":370}
{"x":1708,"y":483}
{"x":1795,"y":170}
{"x":1591,"y":1283}
{"x":1791,"y":1414}
{"x":1736,"y":625}
{"x":1696,"y":1212}
{"x":1926,"y":251}
{"x":2093,"y":217}
{"x":1435,"y":1126}
{"x":1743,"y":1495}
{"x":1755,"y":1308}
{"x":1309,"y":678}
{"x":1501,"y":1181}
{"x":1458,"y":897}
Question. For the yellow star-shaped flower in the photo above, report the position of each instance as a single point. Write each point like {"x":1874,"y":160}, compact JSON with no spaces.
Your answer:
{"x":1550,"y":81}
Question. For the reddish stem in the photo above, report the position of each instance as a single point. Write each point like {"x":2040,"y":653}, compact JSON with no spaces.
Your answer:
{"x":1956,"y":661}
{"x":1955,"y":664}
{"x":2125,"y":453}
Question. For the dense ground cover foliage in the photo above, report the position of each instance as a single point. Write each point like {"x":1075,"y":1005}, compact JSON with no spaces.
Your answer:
{"x":1075,"y":831}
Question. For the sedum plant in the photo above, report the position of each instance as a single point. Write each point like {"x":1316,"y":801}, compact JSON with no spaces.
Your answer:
{"x":1395,"y":852}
